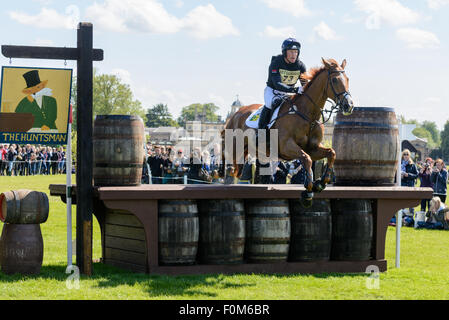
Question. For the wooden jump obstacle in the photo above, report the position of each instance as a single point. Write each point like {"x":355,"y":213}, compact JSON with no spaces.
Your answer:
{"x":136,"y":208}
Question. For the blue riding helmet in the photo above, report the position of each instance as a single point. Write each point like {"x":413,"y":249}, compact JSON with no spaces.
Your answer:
{"x":290,"y":44}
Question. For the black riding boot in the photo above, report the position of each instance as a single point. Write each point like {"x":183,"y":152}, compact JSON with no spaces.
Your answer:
{"x":264,"y":117}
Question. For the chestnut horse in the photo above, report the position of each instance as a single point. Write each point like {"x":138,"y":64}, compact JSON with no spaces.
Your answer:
{"x":300,"y":132}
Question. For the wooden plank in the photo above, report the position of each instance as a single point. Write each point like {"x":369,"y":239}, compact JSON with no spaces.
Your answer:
{"x":127,"y":266}
{"x":58,"y":53}
{"x":84,"y":170}
{"x":125,"y":232}
{"x":126,"y":256}
{"x":125,"y":244}
{"x":123,"y":219}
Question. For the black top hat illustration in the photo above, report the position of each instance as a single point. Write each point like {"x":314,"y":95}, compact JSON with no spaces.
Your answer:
{"x":32,"y":78}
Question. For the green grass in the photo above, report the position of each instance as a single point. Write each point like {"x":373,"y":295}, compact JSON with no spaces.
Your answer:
{"x":423,"y":273}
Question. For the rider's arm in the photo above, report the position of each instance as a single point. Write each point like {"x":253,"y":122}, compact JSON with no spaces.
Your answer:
{"x":277,"y":82}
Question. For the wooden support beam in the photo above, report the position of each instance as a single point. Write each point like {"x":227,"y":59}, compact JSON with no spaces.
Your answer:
{"x":84,"y":168}
{"x":59,"y":53}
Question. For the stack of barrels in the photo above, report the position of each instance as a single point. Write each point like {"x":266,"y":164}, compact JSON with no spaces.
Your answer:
{"x":233,"y":231}
{"x":21,"y":243}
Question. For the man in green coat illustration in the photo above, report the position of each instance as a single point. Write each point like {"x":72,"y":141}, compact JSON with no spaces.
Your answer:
{"x":38,"y":102}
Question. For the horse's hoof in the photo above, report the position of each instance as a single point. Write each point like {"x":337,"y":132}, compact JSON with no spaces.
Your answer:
{"x":318,"y":186}
{"x":306,"y":203}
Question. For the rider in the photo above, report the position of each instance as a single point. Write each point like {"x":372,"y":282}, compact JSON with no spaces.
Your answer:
{"x":283,"y":73}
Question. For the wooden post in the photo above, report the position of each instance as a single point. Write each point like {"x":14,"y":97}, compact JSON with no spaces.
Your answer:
{"x":85,"y":55}
{"x":84,"y":165}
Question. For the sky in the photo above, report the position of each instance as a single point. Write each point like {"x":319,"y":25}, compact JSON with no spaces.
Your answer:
{"x":180,"y":52}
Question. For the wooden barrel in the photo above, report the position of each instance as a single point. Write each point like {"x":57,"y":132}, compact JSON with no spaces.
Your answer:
{"x":23,"y":207}
{"x":21,"y":249}
{"x":118,"y":149}
{"x":366,"y":145}
{"x":311,"y":231}
{"x":222,"y":231}
{"x":267,"y":230}
{"x":352,"y":229}
{"x":178,"y":232}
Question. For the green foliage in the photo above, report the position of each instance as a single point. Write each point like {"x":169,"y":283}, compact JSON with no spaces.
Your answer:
{"x":405,"y":121}
{"x":110,"y":96}
{"x":425,"y":134}
{"x":113,"y":97}
{"x":188,"y":113}
{"x":159,"y":116}
{"x":433,"y":129}
{"x":445,"y":141}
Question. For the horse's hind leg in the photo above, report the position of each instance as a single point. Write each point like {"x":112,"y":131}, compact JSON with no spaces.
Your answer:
{"x":318,"y":154}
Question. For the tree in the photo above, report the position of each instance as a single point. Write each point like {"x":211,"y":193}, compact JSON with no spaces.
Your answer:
{"x":425,"y":134}
{"x":445,"y":141}
{"x":433,"y":129}
{"x":110,"y":96}
{"x":159,"y":116}
{"x":188,"y":113}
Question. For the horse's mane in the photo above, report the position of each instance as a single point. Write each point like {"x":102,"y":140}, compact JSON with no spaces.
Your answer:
{"x":313,"y":73}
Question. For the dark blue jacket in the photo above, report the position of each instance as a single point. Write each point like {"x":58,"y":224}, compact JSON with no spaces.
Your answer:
{"x":412,"y":175}
{"x":439,"y":180}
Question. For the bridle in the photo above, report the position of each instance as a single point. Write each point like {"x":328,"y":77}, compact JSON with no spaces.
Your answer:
{"x":340,"y":97}
{"x":336,"y":106}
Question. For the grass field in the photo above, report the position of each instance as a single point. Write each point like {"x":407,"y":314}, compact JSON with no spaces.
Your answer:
{"x":424,"y":260}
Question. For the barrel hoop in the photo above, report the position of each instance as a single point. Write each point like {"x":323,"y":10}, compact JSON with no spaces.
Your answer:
{"x":225,"y":214}
{"x":365,"y":162}
{"x":374,"y":109}
{"x":39,"y":207}
{"x":17,"y":202}
{"x":117,"y":137}
{"x":268,"y":215}
{"x":177,"y":244}
{"x":177,"y":215}
{"x":269,"y":241}
{"x":273,"y":254}
{"x":365,"y":124}
{"x":118,"y":165}
{"x":116,"y":117}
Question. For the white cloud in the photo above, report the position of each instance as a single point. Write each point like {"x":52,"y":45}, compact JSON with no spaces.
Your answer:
{"x":389,"y":11}
{"x":433,"y":100}
{"x":49,"y":18}
{"x":150,"y":16}
{"x":272,"y":32}
{"x":124,"y":75}
{"x":296,"y":8}
{"x":417,"y":38}
{"x":179,"y":3}
{"x":133,"y":15}
{"x":323,"y":31}
{"x":205,"y":22}
{"x":436,"y":4}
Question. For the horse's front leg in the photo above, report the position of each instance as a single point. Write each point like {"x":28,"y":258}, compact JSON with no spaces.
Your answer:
{"x":291,"y":150}
{"x":317,"y":154}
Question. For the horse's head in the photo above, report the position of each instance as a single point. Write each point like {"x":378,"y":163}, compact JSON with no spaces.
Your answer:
{"x":339,"y":84}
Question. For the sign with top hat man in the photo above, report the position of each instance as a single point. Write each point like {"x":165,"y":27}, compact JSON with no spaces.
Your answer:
{"x":34,"y":105}
{"x":39,"y":102}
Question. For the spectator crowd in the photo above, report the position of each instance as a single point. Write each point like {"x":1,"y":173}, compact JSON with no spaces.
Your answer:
{"x":168,"y":166}
{"x":27,"y":160}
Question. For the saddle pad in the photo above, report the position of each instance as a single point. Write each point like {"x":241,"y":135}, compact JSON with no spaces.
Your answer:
{"x":253,"y":120}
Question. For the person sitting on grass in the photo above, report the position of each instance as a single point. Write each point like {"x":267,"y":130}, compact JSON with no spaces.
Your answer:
{"x":437,"y":216}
